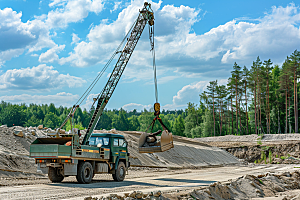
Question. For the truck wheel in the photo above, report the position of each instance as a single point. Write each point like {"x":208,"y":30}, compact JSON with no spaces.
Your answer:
{"x":54,"y":175}
{"x":120,"y":172}
{"x":84,"y":172}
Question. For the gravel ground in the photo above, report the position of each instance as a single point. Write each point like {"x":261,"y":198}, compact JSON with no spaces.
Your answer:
{"x":171,"y":183}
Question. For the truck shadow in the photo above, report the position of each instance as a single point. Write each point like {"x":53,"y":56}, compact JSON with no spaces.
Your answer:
{"x":104,"y":184}
{"x":114,"y":184}
{"x":185,"y":180}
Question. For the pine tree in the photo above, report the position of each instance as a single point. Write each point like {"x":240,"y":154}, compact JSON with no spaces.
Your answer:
{"x":236,"y":82}
{"x":284,"y":81}
{"x":212,"y":94}
{"x":294,"y":61}
{"x":221,"y":92}
{"x":246,"y":74}
{"x":266,"y":70}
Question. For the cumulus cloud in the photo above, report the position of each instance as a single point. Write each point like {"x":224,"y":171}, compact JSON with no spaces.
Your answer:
{"x":51,"y":54}
{"x":75,"y":38}
{"x":116,"y":6}
{"x":42,"y":77}
{"x":189,"y":93}
{"x":57,"y":3}
{"x":72,"y":11}
{"x":104,"y":38}
{"x":274,"y":35}
{"x":16,"y":36}
{"x":89,"y":101}
{"x":59,"y":99}
{"x":12,"y":27}
{"x":138,"y":107}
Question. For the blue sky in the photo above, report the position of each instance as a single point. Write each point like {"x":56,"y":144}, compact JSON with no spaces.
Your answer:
{"x":50,"y":51}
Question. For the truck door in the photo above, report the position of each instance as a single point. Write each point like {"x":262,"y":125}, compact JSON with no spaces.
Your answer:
{"x":120,"y":149}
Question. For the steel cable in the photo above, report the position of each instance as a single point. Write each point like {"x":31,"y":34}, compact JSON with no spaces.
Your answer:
{"x":92,"y":85}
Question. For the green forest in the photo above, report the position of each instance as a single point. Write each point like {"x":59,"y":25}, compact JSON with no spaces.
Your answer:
{"x":260,"y":99}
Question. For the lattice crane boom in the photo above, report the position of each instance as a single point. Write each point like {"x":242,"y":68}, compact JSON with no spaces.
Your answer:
{"x":145,"y":16}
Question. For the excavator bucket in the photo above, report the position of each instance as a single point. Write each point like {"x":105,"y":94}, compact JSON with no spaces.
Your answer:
{"x":149,"y":143}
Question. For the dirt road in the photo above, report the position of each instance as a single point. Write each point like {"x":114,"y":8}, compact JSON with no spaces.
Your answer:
{"x":146,"y":180}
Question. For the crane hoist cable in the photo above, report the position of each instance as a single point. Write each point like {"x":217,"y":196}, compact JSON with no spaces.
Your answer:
{"x":151,"y":37}
{"x":92,"y":85}
{"x":86,"y":93}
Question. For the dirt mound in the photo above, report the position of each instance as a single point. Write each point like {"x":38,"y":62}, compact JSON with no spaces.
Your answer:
{"x":14,"y":150}
{"x":249,"y":186}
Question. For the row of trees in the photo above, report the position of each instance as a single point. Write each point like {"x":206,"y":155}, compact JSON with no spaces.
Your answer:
{"x":52,"y":117}
{"x":262,"y":99}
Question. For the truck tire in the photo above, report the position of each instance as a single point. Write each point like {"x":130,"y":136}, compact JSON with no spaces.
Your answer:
{"x":54,"y":175}
{"x":120,"y":172}
{"x":84,"y":172}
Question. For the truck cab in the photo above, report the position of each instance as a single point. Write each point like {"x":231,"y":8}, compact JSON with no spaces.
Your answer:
{"x":116,"y":144}
{"x":64,"y":156}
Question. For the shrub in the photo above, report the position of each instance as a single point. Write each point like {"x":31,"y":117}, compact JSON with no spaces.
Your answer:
{"x":270,"y":156}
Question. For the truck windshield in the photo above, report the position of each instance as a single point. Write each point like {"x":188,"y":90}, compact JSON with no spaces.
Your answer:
{"x":99,"y":140}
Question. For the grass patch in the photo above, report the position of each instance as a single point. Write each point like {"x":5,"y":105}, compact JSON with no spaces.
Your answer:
{"x":265,"y":148}
{"x":270,"y":157}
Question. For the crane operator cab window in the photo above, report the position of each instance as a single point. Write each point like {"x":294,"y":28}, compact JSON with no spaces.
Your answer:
{"x":120,"y":142}
{"x":99,"y":141}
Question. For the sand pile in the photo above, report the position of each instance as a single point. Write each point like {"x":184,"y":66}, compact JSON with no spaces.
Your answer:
{"x":14,"y":150}
{"x":249,"y":186}
{"x":185,"y":154}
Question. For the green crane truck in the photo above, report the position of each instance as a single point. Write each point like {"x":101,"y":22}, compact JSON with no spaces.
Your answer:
{"x":68,"y":155}
{"x":104,"y":153}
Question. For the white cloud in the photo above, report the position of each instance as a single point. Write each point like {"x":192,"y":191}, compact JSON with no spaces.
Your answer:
{"x":51,"y":54}
{"x":189,"y":93}
{"x":116,"y":6}
{"x":9,"y":54}
{"x":89,"y":101}
{"x":138,"y":107}
{"x":104,"y":38}
{"x":16,"y":36}
{"x":57,"y":3}
{"x":273,"y":36}
{"x":75,"y":38}
{"x":59,"y":99}
{"x":42,"y":77}
{"x":178,"y":48}
{"x":72,"y":11}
